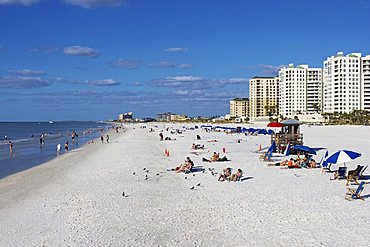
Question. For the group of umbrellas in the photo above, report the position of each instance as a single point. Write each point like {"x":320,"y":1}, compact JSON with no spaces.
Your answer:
{"x":339,"y":157}
{"x":242,"y":130}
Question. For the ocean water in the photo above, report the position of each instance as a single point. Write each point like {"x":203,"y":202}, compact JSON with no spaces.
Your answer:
{"x":27,"y":150}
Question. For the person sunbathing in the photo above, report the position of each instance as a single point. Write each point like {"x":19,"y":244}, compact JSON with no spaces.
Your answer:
{"x":282,"y":163}
{"x":197,"y":146}
{"x":225,"y":175}
{"x":236,"y":177}
{"x":187,"y":166}
{"x":312,"y":163}
{"x":291,"y":164}
{"x":215,"y":157}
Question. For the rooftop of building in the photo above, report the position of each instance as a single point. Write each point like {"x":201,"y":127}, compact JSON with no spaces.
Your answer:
{"x":264,"y":77}
{"x":240,"y":99}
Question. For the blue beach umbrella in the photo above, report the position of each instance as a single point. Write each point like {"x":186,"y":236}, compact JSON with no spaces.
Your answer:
{"x":305,"y":149}
{"x":287,"y":150}
{"x":342,"y":156}
{"x":322,"y":162}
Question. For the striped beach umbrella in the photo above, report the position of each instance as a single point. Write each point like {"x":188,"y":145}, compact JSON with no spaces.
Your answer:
{"x":342,"y":156}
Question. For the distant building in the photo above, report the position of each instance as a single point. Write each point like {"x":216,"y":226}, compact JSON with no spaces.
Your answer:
{"x":342,"y":83}
{"x":300,"y":90}
{"x":171,"y":117}
{"x":125,"y":116}
{"x":177,"y":117}
{"x":263,"y":96}
{"x":239,"y":107}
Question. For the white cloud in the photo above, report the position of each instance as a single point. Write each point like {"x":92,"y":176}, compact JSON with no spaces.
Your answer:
{"x":23,"y":82}
{"x":185,"y":66}
{"x":125,"y":64}
{"x":163,"y":64}
{"x":90,"y":4}
{"x":43,"y":50}
{"x":19,"y":2}
{"x":195,"y":82}
{"x":37,"y":82}
{"x":27,"y":72}
{"x":176,"y":49}
{"x":105,"y":82}
{"x":80,"y":51}
{"x":136,"y":84}
{"x":266,"y":69}
{"x":234,"y":81}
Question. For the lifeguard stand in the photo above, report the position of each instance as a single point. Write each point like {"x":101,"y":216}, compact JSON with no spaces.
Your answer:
{"x":290,"y":133}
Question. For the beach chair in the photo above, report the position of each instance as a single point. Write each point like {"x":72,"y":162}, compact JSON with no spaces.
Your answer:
{"x":355,"y":194}
{"x":262,"y":156}
{"x":362,"y":173}
{"x":267,"y":156}
{"x":354,"y":175}
{"x":341,"y":173}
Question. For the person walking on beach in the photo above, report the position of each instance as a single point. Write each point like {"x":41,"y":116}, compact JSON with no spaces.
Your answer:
{"x":107,"y":138}
{"x":160,"y":136}
{"x":66,"y":147}
{"x":102,"y":139}
{"x":59,"y":147}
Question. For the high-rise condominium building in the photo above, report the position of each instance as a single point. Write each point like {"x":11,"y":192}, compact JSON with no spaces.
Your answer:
{"x":239,"y":107}
{"x":263,"y":95}
{"x":300,"y":90}
{"x":314,"y":90}
{"x":342,"y":83}
{"x":365,"y":96}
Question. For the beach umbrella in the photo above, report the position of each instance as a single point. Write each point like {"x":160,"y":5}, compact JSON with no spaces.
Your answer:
{"x":322,"y":162}
{"x":305,"y":149}
{"x":270,"y":132}
{"x":275,"y":125}
{"x":287,"y":150}
{"x":342,"y":156}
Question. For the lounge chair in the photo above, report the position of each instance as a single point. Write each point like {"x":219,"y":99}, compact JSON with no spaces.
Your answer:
{"x":355,"y":194}
{"x":353,"y":175}
{"x":362,"y":173}
{"x":267,"y":156}
{"x":262,"y":156}
{"x":340,"y":173}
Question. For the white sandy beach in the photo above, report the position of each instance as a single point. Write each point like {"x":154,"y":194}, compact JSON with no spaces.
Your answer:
{"x":76,"y":199}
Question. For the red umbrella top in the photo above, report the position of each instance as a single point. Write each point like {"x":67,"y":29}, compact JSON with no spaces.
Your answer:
{"x":275,"y":125}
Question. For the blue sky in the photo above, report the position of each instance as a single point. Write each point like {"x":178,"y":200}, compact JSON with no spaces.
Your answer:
{"x":93,"y":59}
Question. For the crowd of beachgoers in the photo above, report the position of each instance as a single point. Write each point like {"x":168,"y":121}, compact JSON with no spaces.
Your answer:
{"x":287,"y":158}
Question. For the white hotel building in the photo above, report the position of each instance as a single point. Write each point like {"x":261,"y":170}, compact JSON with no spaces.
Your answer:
{"x":300,"y":90}
{"x":365,"y":82}
{"x":342,"y":83}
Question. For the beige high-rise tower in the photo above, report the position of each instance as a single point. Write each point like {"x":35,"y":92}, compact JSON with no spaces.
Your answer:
{"x":239,"y":107}
{"x":263,"y":96}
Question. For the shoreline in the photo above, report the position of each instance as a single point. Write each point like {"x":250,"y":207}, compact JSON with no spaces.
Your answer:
{"x":45,"y":168}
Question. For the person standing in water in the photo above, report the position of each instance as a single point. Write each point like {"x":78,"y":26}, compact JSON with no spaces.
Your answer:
{"x":10,"y":147}
{"x":66,"y":147}
{"x":59,"y":147}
